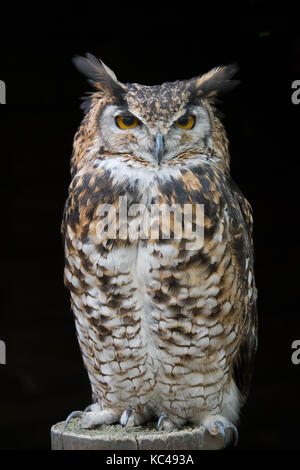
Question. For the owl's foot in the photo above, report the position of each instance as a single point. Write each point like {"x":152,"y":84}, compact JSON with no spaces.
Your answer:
{"x":74,"y":414}
{"x":127,"y":418}
{"x":96,"y":417}
{"x":92,"y":416}
{"x":165,"y":424}
{"x":220,"y":425}
{"x":133,"y":417}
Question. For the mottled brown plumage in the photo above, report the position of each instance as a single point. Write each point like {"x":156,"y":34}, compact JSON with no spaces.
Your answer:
{"x":164,"y":330}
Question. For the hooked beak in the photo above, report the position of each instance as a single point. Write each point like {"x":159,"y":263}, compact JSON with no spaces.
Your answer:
{"x":159,"y":148}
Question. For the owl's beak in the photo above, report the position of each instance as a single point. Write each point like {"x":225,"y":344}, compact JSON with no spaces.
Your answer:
{"x":159,"y":147}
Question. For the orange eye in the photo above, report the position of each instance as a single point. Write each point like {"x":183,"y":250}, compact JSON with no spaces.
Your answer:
{"x":126,"y":122}
{"x":186,"y":122}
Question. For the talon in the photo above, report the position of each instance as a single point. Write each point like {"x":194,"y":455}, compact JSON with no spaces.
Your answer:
{"x":221,"y":429}
{"x":160,"y":420}
{"x":88,"y":408}
{"x":128,"y":413}
{"x":72,"y":415}
{"x":235,"y":432}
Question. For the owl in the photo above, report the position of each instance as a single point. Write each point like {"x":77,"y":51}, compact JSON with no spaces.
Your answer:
{"x":164,"y":301}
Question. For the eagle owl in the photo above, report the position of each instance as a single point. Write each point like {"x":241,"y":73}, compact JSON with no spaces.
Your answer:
{"x":167,"y":328}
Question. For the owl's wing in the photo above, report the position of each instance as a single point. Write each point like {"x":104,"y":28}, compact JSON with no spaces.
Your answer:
{"x":245,"y":208}
{"x":244,"y":360}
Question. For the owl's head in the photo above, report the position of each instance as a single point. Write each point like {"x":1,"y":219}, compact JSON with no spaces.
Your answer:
{"x":156,"y":124}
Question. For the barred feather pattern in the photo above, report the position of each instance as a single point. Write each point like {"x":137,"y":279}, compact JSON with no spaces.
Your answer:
{"x":162,"y":328}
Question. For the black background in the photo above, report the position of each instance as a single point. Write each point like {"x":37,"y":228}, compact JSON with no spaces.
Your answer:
{"x":44,"y":378}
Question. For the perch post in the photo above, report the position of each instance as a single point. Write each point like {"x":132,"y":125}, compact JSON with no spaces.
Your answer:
{"x":116,"y":437}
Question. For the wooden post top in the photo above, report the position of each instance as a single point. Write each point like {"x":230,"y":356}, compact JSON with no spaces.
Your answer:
{"x":116,"y":437}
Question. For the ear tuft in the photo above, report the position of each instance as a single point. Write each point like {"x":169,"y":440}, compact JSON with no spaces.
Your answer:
{"x":216,"y":81}
{"x":99,"y":74}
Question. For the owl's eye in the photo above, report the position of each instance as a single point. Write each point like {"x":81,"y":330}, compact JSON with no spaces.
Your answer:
{"x":126,"y":122}
{"x":186,"y":122}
